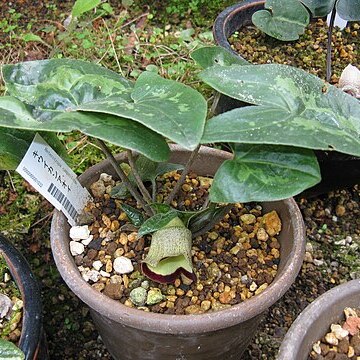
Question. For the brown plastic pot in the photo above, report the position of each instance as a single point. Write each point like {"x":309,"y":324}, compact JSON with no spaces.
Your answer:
{"x":337,"y":170}
{"x":314,"y":322}
{"x":32,"y":340}
{"x":129,"y":333}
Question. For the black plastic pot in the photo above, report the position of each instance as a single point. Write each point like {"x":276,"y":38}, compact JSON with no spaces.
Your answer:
{"x":337,"y":170}
{"x":32,"y":340}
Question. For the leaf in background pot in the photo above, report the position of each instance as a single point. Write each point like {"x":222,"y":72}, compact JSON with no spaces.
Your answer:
{"x":82,"y":6}
{"x":296,"y":108}
{"x":169,"y":108}
{"x":348,"y":9}
{"x":8,"y":351}
{"x":169,"y":253}
{"x":264,"y":173}
{"x":319,"y":8}
{"x":282,"y":19}
{"x":216,"y":55}
{"x":118,"y":131}
{"x":156,"y":222}
{"x":135,"y":216}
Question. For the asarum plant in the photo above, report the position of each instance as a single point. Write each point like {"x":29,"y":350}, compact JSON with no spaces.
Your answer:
{"x":290,"y":113}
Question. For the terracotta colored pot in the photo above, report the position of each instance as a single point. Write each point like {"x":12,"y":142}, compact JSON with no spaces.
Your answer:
{"x":314,"y":322}
{"x":129,"y":333}
{"x":337,"y":170}
{"x":32,"y":341}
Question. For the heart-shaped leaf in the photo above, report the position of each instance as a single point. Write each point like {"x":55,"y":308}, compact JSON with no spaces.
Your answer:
{"x":282,"y":19}
{"x":169,"y":108}
{"x":264,"y":173}
{"x":119,"y":131}
{"x":216,"y":55}
{"x":348,"y":9}
{"x":296,"y":108}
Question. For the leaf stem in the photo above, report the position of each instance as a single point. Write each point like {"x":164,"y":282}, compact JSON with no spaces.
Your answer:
{"x":123,"y":177}
{"x":328,"y":46}
{"x":186,"y":170}
{"x":137,"y":177}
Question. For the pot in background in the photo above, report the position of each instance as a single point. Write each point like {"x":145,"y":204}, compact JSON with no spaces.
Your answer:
{"x":314,"y":322}
{"x":32,"y":341}
{"x":337,"y":170}
{"x":129,"y":333}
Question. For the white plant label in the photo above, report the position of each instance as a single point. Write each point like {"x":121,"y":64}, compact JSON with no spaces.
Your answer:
{"x":44,"y":169}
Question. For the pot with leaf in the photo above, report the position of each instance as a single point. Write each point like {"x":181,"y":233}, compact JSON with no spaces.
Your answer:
{"x":284,"y":23}
{"x":163,"y":126}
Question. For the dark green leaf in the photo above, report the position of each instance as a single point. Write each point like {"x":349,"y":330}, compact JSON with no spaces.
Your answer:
{"x":216,"y":55}
{"x":8,"y":351}
{"x":120,"y":192}
{"x":282,"y":19}
{"x":156,"y":222}
{"x":206,"y":219}
{"x":146,"y":168}
{"x":82,"y":6}
{"x":296,"y":108}
{"x":164,"y":168}
{"x":161,"y":208}
{"x":264,"y":173}
{"x":118,"y":131}
{"x":167,"y":107}
{"x":348,"y":9}
{"x":319,"y":8}
{"x":135,"y":216}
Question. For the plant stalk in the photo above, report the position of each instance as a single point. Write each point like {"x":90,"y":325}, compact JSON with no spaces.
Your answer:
{"x":123,"y":177}
{"x":186,"y":170}
{"x":328,"y":46}
{"x":137,"y":177}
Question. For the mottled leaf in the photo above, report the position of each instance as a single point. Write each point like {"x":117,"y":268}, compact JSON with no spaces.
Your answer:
{"x":156,"y":222}
{"x":264,"y":173}
{"x":216,"y":55}
{"x":135,"y":216}
{"x":9,"y":351}
{"x":348,"y":9}
{"x":161,"y":208}
{"x":171,"y":109}
{"x":319,"y":8}
{"x":295,"y":108}
{"x":282,"y":19}
{"x":118,"y":131}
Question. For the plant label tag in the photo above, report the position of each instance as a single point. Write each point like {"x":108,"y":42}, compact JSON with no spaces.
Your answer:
{"x":339,"y":22}
{"x":44,"y":169}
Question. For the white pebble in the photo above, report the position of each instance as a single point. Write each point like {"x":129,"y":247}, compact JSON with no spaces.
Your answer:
{"x":92,"y":275}
{"x":317,"y":348}
{"x":79,"y":232}
{"x":339,"y":332}
{"x":104,"y":274}
{"x":97,"y":265}
{"x":76,"y":248}
{"x":123,"y":265}
{"x":331,"y":339}
{"x":253,"y":286}
{"x":87,"y":241}
{"x":318,"y":262}
{"x":105,"y":177}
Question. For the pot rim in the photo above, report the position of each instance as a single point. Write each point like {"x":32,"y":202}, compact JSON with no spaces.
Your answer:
{"x":178,"y":324}
{"x":224,"y":19}
{"x":297,"y":334}
{"x":31,"y":332}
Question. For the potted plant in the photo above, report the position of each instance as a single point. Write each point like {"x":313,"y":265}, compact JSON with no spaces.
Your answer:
{"x":315,"y":321}
{"x":32,"y":344}
{"x":285,"y":21}
{"x":61,"y":95}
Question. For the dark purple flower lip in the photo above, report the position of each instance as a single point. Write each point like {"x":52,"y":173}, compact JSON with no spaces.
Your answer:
{"x":166,"y":279}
